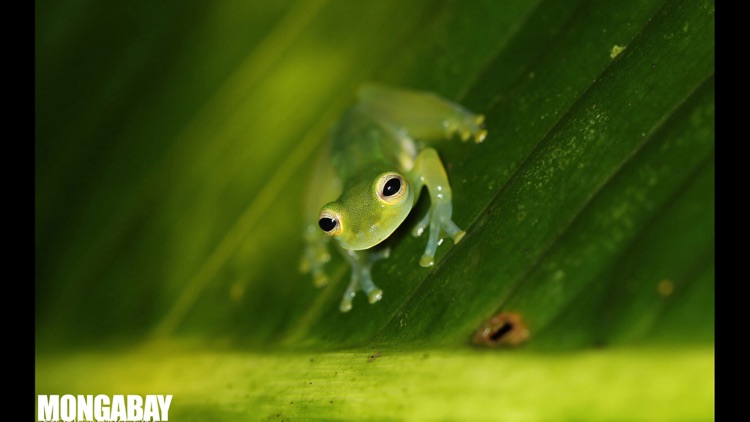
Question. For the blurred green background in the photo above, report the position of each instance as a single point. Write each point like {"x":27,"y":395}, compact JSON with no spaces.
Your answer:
{"x":173,"y":143}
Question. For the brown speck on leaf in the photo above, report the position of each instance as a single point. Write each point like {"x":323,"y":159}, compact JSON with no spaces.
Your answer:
{"x":373,"y":356}
{"x":665,"y":287}
{"x":503,"y":329}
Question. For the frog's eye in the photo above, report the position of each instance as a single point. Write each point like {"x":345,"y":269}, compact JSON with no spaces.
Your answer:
{"x":391,"y":188}
{"x":330,"y":223}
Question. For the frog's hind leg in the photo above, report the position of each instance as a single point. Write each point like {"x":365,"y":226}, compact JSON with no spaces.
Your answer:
{"x":421,"y":115}
{"x":361,"y":264}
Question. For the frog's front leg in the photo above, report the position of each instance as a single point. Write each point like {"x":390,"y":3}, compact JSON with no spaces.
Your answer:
{"x":315,"y":255}
{"x":429,"y":171}
{"x":361,"y":264}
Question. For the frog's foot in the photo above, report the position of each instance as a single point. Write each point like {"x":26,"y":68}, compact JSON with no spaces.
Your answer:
{"x":467,"y":125}
{"x":320,"y":278}
{"x":314,"y":266}
{"x":437,"y":219}
{"x":361,"y":278}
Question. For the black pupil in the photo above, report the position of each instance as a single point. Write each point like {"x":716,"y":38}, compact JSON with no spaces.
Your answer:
{"x":391,"y":187}
{"x":327,"y":224}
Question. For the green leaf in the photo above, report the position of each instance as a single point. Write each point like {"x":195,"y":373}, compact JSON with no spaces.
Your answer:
{"x":172,"y":150}
{"x":385,"y":385}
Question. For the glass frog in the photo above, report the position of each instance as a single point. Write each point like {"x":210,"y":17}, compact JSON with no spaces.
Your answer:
{"x":379,"y":157}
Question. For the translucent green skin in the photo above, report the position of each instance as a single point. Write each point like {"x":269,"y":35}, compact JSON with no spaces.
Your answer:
{"x":374,"y":141}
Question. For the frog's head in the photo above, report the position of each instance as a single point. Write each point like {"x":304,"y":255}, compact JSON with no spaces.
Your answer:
{"x":369,"y":210}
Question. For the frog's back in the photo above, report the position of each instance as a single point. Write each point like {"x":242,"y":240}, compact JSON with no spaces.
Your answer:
{"x":361,"y":140}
